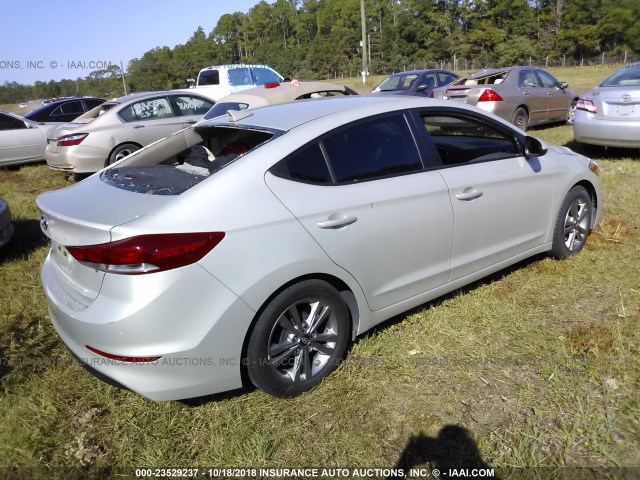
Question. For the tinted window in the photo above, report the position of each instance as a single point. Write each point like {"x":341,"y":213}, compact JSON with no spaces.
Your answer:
{"x":92,"y":103}
{"x":209,"y":77}
{"x":265,"y":75}
{"x":445,"y":78}
{"x":188,"y":105}
{"x":462,"y":140}
{"x":371,"y":150}
{"x":547,"y":80}
{"x":10,"y":123}
{"x":147,"y":110}
{"x":69,"y":108}
{"x":308,"y":165}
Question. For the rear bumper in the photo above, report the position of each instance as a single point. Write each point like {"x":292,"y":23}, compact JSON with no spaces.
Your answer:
{"x":609,"y":133}
{"x":195,"y":325}
{"x":77,"y":158}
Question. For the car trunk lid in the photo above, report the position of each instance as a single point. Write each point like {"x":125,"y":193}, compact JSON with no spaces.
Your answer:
{"x":618,"y":103}
{"x":85,"y":214}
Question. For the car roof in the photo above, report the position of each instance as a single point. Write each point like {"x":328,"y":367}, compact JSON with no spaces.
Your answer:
{"x":286,"y":116}
{"x":279,"y":93}
{"x":418,"y":72}
{"x":139,"y":95}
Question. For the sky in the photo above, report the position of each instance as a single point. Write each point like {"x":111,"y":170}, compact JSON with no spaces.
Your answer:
{"x":55,"y":39}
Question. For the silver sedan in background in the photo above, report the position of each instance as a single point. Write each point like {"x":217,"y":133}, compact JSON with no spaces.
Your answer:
{"x":115,"y":129}
{"x":609,"y":115}
{"x":524,"y":96}
{"x":265,"y":242}
{"x":21,"y":140}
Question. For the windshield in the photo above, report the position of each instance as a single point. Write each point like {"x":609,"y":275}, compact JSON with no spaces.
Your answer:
{"x":177,"y":163}
{"x":629,"y":76}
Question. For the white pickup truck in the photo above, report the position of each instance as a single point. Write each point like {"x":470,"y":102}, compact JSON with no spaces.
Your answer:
{"x":220,"y":80}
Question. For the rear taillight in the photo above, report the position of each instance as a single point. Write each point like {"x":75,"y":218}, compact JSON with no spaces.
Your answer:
{"x":587,"y":106}
{"x":70,"y":140}
{"x":147,"y":253}
{"x":490,"y":96}
{"x":431,"y":95}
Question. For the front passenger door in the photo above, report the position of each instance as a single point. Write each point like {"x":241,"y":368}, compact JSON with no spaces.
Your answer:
{"x":501,"y":200}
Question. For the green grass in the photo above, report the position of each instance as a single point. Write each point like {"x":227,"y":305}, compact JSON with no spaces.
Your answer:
{"x":537,"y":364}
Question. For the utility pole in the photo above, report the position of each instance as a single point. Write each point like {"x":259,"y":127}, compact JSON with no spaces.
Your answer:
{"x":365,"y":66}
{"x":124,"y":85}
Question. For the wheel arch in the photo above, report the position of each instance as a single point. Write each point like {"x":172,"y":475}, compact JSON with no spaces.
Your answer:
{"x":119,"y":145}
{"x":343,"y":289}
{"x":594,"y":198}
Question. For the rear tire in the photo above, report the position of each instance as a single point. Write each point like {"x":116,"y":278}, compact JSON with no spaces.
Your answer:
{"x":120,"y":152}
{"x":573,"y":224}
{"x":521,"y":119}
{"x":299,"y":339}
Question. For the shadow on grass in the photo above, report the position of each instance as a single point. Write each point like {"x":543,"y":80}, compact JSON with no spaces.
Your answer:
{"x":603,"y":153}
{"x":453,"y":449}
{"x":27,"y":237}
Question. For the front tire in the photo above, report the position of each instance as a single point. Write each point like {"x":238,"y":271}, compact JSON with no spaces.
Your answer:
{"x":299,"y":339}
{"x":573,"y":224}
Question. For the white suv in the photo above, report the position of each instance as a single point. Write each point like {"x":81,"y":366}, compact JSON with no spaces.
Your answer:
{"x":220,"y":80}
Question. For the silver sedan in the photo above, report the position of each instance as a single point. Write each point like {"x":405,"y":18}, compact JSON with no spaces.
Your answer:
{"x":524,"y":96}
{"x":117,"y":128}
{"x":609,"y":115}
{"x":21,"y":140}
{"x":265,"y":240}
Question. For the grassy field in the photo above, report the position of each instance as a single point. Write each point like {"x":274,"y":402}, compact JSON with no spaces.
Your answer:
{"x":532,"y":370}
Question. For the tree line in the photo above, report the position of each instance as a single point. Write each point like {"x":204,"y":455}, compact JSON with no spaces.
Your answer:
{"x":314,"y":39}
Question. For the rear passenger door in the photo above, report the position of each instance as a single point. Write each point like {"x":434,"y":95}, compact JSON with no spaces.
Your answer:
{"x":371,"y":206}
{"x":192,"y":108}
{"x":149,"y":120}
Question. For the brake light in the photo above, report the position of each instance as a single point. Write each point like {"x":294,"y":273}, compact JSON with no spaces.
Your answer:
{"x":120,"y":358}
{"x":431,"y":95}
{"x":272,"y":85}
{"x":147,"y":253}
{"x":70,"y":140}
{"x":587,"y":106}
{"x":490,"y":96}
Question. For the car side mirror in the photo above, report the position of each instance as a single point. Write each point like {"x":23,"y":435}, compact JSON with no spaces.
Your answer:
{"x":564,"y":85}
{"x":422,"y":87}
{"x":533,"y":147}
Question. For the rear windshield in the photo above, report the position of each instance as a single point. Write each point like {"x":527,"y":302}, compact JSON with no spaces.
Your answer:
{"x":629,"y":76}
{"x":177,"y":163}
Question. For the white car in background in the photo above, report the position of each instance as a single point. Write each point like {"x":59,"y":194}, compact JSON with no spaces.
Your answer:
{"x":21,"y":140}
{"x":119,"y":127}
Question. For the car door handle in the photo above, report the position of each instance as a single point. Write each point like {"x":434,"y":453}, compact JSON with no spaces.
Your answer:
{"x":342,"y":221}
{"x":138,"y":126}
{"x":526,"y":93}
{"x":549,"y":94}
{"x":469,"y":194}
{"x":191,"y":122}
